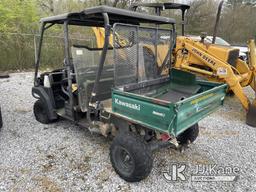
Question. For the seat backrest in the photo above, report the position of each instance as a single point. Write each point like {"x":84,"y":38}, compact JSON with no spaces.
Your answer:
{"x":86,"y":65}
{"x":104,"y":89}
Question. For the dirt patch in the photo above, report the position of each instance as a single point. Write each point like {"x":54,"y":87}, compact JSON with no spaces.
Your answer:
{"x":218,"y":134}
{"x":197,"y":158}
{"x":103,"y":175}
{"x":22,"y":110}
{"x":82,"y":166}
{"x":47,"y":184}
{"x":15,"y":133}
{"x":49,"y":166}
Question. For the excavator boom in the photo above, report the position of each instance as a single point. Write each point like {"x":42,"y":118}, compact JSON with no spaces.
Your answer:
{"x":221,"y":64}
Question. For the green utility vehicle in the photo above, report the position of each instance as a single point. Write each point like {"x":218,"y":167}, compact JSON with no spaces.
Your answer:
{"x":123,"y":90}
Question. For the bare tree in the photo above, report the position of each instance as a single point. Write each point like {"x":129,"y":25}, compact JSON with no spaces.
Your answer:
{"x":46,"y":5}
{"x":201,"y":16}
{"x":238,"y":22}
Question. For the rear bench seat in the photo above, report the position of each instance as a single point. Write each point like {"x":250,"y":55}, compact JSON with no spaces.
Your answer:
{"x":104,"y":89}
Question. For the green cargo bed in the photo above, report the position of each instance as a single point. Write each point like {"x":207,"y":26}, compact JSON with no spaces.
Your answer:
{"x":168,"y":105}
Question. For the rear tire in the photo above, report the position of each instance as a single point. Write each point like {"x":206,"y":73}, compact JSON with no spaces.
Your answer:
{"x":189,"y":136}
{"x":131,"y":157}
{"x":41,"y":112}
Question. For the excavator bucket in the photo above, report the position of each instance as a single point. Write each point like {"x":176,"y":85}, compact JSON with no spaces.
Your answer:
{"x":251,"y":116}
{"x":251,"y":113}
{"x":252,"y":52}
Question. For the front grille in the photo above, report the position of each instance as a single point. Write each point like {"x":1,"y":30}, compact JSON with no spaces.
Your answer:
{"x":233,"y":56}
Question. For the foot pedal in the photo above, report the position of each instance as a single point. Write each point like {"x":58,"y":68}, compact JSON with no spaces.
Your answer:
{"x":251,"y":116}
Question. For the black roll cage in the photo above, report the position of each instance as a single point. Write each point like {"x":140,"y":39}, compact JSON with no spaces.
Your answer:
{"x":101,"y":16}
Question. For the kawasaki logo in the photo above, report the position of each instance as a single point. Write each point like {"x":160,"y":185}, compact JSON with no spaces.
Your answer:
{"x":129,"y":105}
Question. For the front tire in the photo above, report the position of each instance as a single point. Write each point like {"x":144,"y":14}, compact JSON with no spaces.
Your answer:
{"x":131,"y":157}
{"x":41,"y":112}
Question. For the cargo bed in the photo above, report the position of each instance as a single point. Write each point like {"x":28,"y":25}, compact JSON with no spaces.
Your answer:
{"x":171,"y":106}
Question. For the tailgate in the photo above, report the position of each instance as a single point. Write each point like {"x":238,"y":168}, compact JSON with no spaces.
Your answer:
{"x":195,"y":108}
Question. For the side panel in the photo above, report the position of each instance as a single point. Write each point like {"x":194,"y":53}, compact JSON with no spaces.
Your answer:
{"x":192,"y":110}
{"x":143,"y":111}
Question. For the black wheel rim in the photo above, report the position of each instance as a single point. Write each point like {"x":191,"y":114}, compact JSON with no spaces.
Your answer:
{"x":124,"y":161}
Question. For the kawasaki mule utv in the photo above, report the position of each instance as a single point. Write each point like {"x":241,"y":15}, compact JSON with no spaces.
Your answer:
{"x":125,"y":91}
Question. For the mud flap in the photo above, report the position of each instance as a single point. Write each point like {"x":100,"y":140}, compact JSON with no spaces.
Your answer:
{"x":251,"y":116}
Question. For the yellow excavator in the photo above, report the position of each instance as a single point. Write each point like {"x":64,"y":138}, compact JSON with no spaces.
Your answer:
{"x":214,"y":62}
{"x":221,"y":64}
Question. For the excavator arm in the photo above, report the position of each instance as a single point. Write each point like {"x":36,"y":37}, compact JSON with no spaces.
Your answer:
{"x":252,"y":62}
{"x":194,"y":57}
{"x":198,"y":57}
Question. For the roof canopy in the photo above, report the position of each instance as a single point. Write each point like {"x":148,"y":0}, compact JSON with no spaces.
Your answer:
{"x":93,"y":17}
{"x":162,"y":5}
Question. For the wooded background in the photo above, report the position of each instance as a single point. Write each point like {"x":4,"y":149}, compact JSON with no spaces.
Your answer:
{"x":19,"y":25}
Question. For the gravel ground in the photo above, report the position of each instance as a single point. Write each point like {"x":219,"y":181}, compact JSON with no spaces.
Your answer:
{"x":65,"y":157}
